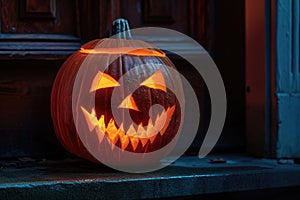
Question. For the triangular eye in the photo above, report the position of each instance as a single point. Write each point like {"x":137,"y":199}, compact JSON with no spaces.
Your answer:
{"x":103,"y":80}
{"x":156,"y":81}
{"x":129,"y":103}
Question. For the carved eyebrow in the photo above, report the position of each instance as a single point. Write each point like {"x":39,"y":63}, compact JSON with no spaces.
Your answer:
{"x":156,"y":81}
{"x":103,"y":80}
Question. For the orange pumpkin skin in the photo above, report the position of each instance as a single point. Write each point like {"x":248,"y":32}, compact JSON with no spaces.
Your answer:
{"x":144,"y":97}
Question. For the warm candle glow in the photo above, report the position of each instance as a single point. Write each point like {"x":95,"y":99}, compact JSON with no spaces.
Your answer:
{"x":133,"y":135}
{"x":124,"y":50}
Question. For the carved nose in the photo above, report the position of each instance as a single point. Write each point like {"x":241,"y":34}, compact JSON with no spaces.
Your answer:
{"x":129,"y":103}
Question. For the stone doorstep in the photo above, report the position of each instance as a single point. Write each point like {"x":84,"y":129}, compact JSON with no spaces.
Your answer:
{"x":72,"y":178}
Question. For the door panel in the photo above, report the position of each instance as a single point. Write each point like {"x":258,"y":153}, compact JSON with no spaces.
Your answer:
{"x":40,"y":16}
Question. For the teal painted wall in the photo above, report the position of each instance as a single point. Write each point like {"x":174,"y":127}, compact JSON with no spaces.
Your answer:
{"x":288,"y":77}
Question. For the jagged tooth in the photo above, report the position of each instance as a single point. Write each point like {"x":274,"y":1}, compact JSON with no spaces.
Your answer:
{"x":102,"y":123}
{"x":113,"y":138}
{"x":111,"y":125}
{"x":156,"y":121}
{"x":142,"y":134}
{"x":134,"y":142}
{"x":93,"y":112}
{"x":152,"y":138}
{"x":144,"y":141}
{"x":91,"y":118}
{"x":157,"y":118}
{"x":124,"y":141}
{"x":120,"y":131}
{"x":169,"y":112}
{"x":163,"y":130}
{"x":160,"y":121}
{"x":131,"y":131}
{"x":111,"y":131}
{"x":100,"y":134}
{"x":150,"y":129}
{"x":141,"y":131}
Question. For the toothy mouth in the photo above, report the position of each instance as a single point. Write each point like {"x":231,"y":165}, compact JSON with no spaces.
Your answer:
{"x":134,"y":135}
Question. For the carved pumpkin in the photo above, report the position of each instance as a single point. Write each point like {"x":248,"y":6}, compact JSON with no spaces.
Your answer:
{"x":143,"y":132}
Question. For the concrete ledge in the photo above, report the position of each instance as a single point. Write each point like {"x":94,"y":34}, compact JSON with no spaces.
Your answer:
{"x":77,"y":179}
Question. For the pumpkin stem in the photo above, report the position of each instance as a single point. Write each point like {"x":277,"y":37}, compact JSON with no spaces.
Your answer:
{"x":120,"y":29}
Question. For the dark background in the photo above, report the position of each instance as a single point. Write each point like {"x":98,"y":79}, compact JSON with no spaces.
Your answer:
{"x":38,"y":35}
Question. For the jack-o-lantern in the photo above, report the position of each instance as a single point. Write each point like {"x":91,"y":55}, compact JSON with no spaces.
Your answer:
{"x":143,"y":132}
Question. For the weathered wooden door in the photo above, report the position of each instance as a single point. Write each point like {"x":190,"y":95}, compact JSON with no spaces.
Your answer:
{"x":36,"y":36}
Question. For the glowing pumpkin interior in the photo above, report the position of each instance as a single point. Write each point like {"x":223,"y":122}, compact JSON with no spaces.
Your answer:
{"x":148,"y":133}
{"x":133,"y":134}
{"x":124,"y":50}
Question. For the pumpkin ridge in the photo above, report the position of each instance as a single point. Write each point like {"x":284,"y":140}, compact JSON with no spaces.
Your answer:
{"x":72,"y":91}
